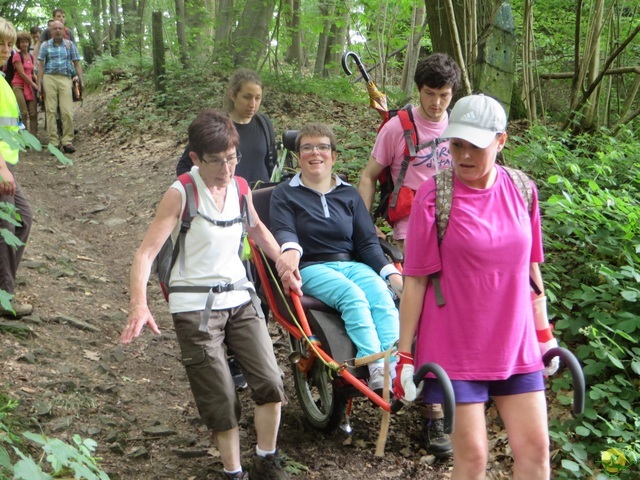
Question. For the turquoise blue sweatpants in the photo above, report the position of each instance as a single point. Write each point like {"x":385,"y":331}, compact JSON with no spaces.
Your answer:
{"x":361,"y":296}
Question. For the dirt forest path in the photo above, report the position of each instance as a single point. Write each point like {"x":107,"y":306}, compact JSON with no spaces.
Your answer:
{"x":71,"y":374}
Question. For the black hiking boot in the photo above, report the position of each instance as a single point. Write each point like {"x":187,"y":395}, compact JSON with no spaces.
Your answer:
{"x":237,"y":476}
{"x":267,"y":468}
{"x":436,"y":441}
{"x":238,"y":378}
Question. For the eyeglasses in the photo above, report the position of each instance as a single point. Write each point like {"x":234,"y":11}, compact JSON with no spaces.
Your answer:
{"x":231,"y":160}
{"x":307,"y":148}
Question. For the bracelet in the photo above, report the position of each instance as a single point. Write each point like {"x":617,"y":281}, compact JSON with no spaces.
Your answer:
{"x":139,"y":305}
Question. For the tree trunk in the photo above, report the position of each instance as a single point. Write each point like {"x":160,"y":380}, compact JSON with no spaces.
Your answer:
{"x":223,"y":24}
{"x":528,"y":47}
{"x":182,"y":33}
{"x":199,"y":22}
{"x":495,"y":68}
{"x":326,"y":13}
{"x":95,"y":31}
{"x":295,"y":54}
{"x":592,"y":61}
{"x":452,"y":24}
{"x":159,"y":70}
{"x":336,"y":41}
{"x":413,"y":49}
{"x":115,"y":28}
{"x":250,"y":40}
{"x":105,"y":5}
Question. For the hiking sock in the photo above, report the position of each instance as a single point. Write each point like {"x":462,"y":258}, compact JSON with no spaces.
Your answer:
{"x":264,"y":453}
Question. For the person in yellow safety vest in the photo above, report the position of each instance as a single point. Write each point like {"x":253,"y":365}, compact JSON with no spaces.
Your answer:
{"x":10,"y":191}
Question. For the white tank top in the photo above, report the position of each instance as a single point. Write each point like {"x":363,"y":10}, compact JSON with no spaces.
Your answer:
{"x":211,"y":252}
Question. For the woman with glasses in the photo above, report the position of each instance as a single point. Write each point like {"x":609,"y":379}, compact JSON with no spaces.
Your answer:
{"x":322,"y":224}
{"x":243,"y":99}
{"x":211,"y":261}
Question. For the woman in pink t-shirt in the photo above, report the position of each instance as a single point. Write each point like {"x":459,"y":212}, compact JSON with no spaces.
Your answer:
{"x":24,"y":82}
{"x":490,"y":334}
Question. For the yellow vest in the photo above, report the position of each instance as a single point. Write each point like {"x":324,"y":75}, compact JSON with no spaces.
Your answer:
{"x":9,"y":119}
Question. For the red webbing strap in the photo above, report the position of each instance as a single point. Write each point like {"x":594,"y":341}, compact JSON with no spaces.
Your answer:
{"x":410,"y":142}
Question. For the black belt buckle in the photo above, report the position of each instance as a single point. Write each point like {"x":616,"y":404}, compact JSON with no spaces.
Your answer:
{"x":222,"y":288}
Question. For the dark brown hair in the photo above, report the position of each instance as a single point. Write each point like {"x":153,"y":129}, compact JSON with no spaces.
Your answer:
{"x":212,"y":132}
{"x":437,"y":71}
{"x":22,"y":36}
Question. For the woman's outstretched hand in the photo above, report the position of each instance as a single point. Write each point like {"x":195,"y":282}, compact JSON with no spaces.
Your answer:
{"x":139,"y":317}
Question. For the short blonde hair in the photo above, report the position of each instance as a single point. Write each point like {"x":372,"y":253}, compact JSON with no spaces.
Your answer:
{"x":7,"y":31}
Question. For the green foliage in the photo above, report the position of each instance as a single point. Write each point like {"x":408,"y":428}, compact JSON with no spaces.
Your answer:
{"x":58,"y":459}
{"x":590,"y":198}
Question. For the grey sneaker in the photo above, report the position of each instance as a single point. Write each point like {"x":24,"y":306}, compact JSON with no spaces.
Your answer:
{"x":19,"y":310}
{"x":267,"y":468}
{"x":436,"y":441}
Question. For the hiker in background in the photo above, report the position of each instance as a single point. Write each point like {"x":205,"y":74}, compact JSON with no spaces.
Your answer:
{"x":322,"y":224}
{"x":60,"y":16}
{"x":257,"y":137}
{"x":211,"y":260}
{"x":10,"y":191}
{"x":35,"y":32}
{"x":437,"y":79}
{"x":24,"y":82}
{"x":56,"y":62}
{"x":257,"y":146}
{"x":492,"y":330}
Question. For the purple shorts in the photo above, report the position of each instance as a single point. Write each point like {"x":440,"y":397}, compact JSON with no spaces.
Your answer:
{"x":479,"y":391}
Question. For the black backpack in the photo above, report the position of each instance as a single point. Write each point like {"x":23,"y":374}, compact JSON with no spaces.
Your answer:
{"x":270,"y":135}
{"x":9,"y":70}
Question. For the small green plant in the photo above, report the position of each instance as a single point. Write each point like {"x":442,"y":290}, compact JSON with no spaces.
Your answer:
{"x":590,"y":201}
{"x":57,"y":460}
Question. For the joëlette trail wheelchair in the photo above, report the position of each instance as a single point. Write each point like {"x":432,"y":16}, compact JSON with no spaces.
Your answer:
{"x":327,"y":375}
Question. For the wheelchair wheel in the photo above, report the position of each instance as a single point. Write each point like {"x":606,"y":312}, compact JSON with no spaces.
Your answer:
{"x":323,"y":405}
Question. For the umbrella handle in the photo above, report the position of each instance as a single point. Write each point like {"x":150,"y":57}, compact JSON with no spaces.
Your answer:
{"x":447,"y":390}
{"x":577,"y":375}
{"x":356,"y":58}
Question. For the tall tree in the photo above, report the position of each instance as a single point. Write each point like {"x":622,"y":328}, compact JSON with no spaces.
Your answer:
{"x":326,"y":14}
{"x":250,"y":39}
{"x":412,"y":54}
{"x":182,"y":33}
{"x":295,"y":52}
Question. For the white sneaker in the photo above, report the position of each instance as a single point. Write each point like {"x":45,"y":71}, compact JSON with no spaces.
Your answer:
{"x":376,"y":376}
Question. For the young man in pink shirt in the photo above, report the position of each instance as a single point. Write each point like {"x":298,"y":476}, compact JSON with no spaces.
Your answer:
{"x":437,"y":79}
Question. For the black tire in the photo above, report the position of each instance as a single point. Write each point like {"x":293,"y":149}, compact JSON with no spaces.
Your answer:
{"x":322,"y":403}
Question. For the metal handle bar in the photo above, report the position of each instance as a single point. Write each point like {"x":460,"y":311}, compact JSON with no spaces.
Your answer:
{"x":577,"y":375}
{"x":447,"y":389}
{"x":356,"y":58}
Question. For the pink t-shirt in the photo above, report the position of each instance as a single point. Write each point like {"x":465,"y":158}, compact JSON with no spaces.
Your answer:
{"x":486,"y":329}
{"x":17,"y":80}
{"x":389,"y":151}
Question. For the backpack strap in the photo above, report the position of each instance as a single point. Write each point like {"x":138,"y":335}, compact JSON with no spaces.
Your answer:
{"x":270,"y":136}
{"x":523,"y":184}
{"x":188,"y":214}
{"x":410,"y":134}
{"x":444,"y":199}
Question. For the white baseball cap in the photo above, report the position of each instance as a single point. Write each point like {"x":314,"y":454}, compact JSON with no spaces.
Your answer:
{"x":476,"y":119}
